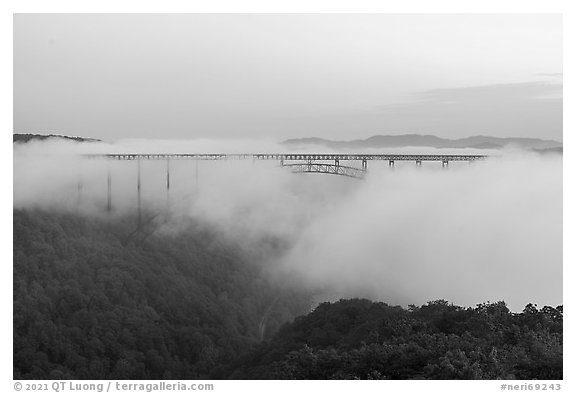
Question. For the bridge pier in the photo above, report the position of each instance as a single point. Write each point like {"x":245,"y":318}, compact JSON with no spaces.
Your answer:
{"x":196,"y":180}
{"x":168,"y":183}
{"x":391,"y":163}
{"x":109,"y":193}
{"x":139,"y":202}
{"x":364,"y":164}
{"x":418,"y":163}
{"x":444,"y":163}
{"x":79,"y":187}
{"x":337,"y":162}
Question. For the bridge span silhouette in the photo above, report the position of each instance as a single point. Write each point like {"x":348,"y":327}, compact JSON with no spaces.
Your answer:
{"x":322,"y":163}
{"x":328,"y":163}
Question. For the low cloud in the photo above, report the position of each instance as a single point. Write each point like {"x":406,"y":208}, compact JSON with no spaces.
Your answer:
{"x":486,"y":231}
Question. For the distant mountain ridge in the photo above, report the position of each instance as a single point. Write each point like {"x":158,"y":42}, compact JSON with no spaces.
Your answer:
{"x":477,"y":142}
{"x":23,"y":138}
{"x":377,"y":141}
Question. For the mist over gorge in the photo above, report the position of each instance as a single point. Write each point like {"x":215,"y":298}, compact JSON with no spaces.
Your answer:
{"x":305,"y":196}
{"x":486,"y":231}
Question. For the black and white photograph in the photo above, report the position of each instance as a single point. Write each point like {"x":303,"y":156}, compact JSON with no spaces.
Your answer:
{"x":287,"y":196}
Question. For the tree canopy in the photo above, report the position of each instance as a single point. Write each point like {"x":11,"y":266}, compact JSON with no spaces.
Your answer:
{"x":89,"y":306}
{"x":361,"y":339}
{"x":191,"y":305}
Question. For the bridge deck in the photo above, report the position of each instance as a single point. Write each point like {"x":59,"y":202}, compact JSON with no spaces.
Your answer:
{"x":295,"y":157}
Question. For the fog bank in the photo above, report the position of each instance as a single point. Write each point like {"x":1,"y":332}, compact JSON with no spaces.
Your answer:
{"x":478,"y":232}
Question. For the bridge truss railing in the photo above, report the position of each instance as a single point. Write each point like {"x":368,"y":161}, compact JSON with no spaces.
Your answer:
{"x":293,"y":157}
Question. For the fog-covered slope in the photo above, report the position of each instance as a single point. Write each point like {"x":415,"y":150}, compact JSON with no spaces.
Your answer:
{"x":87,"y":306}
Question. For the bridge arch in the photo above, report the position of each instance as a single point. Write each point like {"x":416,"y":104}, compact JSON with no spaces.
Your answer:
{"x":324,"y":168}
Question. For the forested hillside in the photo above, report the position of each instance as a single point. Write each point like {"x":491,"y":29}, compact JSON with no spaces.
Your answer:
{"x":360,"y":339}
{"x":92,"y":301}
{"x":90,"y":305}
{"x":23,"y":138}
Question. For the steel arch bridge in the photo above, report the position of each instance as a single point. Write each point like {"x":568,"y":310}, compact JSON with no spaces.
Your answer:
{"x":326,"y":163}
{"x":418,"y":158}
{"x":297,"y":162}
{"x":331,"y":169}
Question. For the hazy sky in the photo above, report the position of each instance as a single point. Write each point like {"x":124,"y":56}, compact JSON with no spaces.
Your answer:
{"x":339,"y":76}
